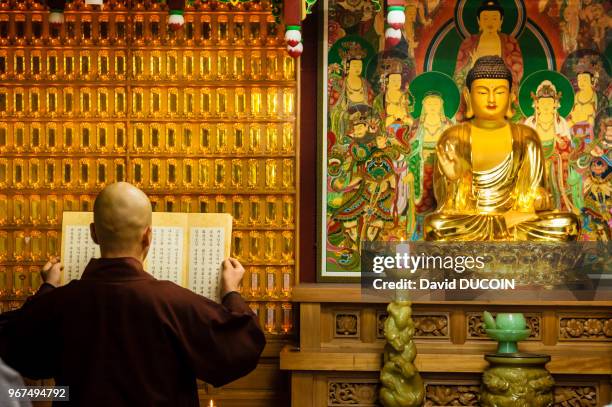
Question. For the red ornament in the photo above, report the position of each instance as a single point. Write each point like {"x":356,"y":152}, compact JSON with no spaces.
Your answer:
{"x":392,"y":37}
{"x":293,"y":36}
{"x":176,"y":21}
{"x":296,"y":51}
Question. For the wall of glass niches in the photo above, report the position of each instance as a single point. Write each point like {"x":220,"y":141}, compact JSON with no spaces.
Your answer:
{"x":202,"y":119}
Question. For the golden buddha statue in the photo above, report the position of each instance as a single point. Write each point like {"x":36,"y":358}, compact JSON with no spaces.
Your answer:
{"x":489,"y":178}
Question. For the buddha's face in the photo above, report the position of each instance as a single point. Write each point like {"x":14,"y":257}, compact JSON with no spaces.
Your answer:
{"x":355,"y":67}
{"x":432,"y":105}
{"x":395,"y":81}
{"x":546,"y":106}
{"x":490,"y":98}
{"x":584,"y":80}
{"x":490,"y":21}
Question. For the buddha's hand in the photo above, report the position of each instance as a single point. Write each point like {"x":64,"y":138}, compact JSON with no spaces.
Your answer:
{"x":448,"y":160}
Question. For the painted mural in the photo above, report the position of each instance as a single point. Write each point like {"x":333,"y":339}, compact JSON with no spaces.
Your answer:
{"x":388,"y":105}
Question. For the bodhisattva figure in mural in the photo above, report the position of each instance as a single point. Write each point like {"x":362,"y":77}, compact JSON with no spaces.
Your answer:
{"x":427,"y":130}
{"x":415,"y":12}
{"x":393,"y":102}
{"x":556,"y":141}
{"x":352,"y":90}
{"x":570,"y":26}
{"x":489,"y":178}
{"x":489,"y":41}
{"x":582,"y":117}
{"x":362,"y":187}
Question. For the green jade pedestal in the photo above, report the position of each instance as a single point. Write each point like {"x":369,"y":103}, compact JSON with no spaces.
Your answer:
{"x":514,"y":379}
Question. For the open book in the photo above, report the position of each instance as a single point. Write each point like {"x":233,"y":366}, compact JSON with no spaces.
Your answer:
{"x":187,"y":248}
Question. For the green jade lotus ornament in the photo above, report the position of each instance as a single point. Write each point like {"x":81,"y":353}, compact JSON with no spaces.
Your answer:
{"x":507,"y":329}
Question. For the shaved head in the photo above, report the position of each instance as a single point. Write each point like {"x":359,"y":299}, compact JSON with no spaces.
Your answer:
{"x":122,"y":220}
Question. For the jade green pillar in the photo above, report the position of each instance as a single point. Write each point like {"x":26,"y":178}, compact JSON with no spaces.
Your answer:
{"x":402,"y":385}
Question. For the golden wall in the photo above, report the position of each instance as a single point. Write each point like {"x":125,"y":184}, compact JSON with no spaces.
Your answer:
{"x":202,"y":119}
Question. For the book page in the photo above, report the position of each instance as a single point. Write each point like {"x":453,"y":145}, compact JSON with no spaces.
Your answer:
{"x":165,"y":258}
{"x":205,"y":257}
{"x":209,"y":244}
{"x":78,"y":249}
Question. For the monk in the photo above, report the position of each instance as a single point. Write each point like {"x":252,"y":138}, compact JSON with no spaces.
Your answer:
{"x":489,"y":177}
{"x":119,"y":337}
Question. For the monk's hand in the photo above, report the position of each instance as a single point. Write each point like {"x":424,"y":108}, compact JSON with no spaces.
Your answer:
{"x":51,"y":272}
{"x":231,"y":277}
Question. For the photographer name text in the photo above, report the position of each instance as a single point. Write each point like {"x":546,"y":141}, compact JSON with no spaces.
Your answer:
{"x":447,"y":284}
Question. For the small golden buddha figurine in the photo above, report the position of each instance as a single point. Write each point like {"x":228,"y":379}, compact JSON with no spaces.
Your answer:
{"x":489,"y":178}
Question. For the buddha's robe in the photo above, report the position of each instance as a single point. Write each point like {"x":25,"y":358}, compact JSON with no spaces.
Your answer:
{"x":472,"y":206}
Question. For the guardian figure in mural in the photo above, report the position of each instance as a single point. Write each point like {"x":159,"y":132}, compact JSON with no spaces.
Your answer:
{"x":363,"y":182}
{"x":594,"y":167}
{"x":489,"y":41}
{"x":489,"y":180}
{"x":554,"y":134}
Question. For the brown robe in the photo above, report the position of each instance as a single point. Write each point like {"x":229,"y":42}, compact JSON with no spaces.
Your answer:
{"x":119,"y":337}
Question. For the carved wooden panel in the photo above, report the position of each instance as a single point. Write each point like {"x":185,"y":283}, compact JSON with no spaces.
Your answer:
{"x":476,"y":328}
{"x":352,"y":392}
{"x":431,"y":325}
{"x":346,"y":324}
{"x":437,"y":395}
{"x":576,"y":395}
{"x":590,"y":328}
{"x":426,"y":324}
{"x":380,"y":324}
{"x":364,"y":393}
